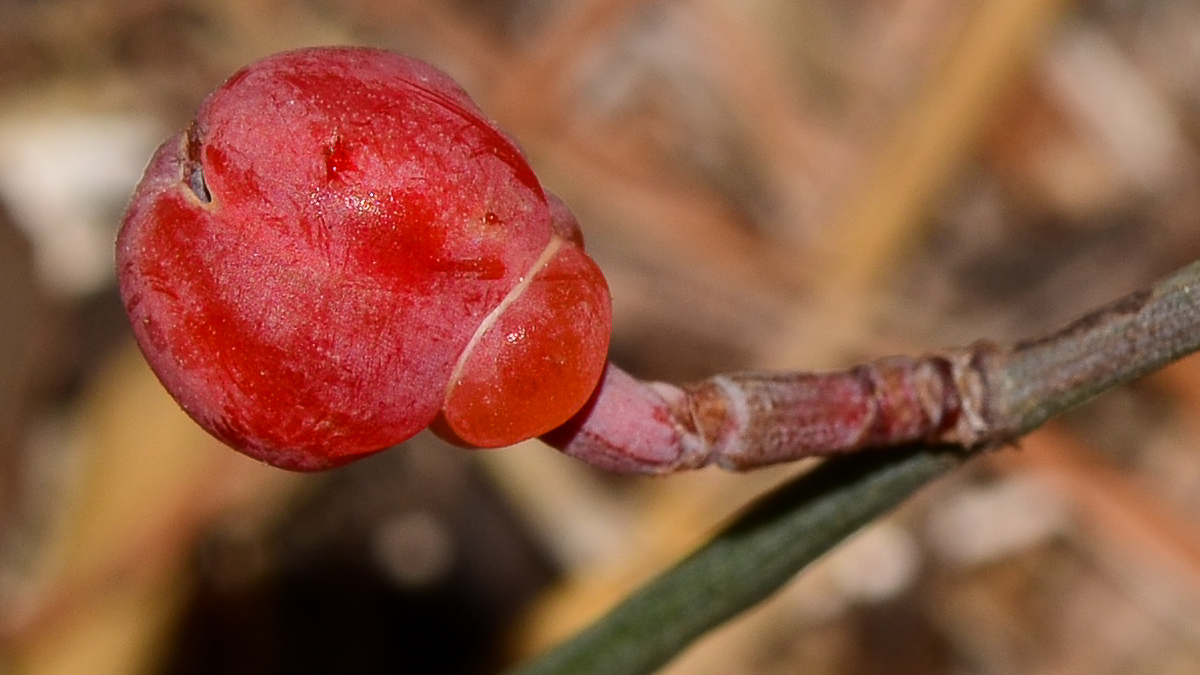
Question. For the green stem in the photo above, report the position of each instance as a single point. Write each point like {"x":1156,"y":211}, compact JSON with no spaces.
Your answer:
{"x":1117,"y":343}
{"x":746,"y":562}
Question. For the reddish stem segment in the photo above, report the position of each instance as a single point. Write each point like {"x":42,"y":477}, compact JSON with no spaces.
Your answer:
{"x":750,"y":420}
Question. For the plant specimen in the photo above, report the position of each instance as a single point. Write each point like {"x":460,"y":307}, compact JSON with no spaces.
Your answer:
{"x":342,"y":250}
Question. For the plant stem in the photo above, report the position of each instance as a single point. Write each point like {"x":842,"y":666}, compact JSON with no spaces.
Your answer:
{"x":1119,"y":342}
{"x":979,"y":395}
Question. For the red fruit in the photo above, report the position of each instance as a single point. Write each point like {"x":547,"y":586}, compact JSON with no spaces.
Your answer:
{"x":340,"y":250}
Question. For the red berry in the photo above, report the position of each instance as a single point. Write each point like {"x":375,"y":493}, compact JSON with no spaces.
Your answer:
{"x":340,"y":250}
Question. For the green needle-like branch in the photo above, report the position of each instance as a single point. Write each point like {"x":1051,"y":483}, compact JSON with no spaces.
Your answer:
{"x":748,"y":561}
{"x":1022,"y":386}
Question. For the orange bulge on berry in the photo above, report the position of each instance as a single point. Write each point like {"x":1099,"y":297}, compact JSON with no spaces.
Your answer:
{"x":515,"y":380}
{"x":342,"y":250}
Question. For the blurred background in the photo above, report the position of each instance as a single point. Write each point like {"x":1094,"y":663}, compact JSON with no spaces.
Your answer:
{"x":767,"y":184}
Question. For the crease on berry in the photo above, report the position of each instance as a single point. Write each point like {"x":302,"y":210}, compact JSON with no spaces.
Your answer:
{"x":515,"y":294}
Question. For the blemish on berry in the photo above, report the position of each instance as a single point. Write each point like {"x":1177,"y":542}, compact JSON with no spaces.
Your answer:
{"x":193,"y":169}
{"x":337,"y":160}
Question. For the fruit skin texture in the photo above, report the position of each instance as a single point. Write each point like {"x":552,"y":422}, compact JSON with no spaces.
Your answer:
{"x":342,"y":250}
